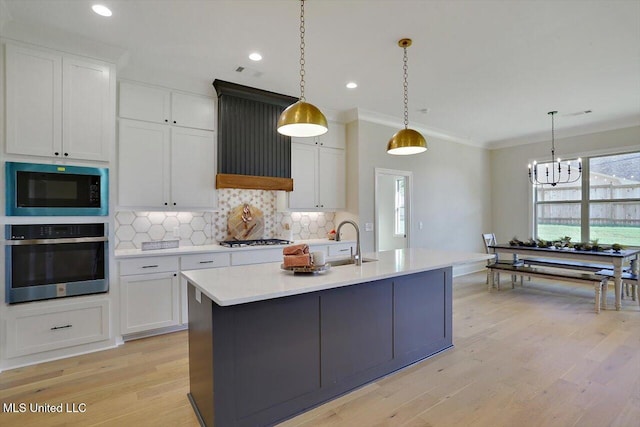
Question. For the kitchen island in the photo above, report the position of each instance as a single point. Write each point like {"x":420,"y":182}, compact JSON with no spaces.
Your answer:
{"x":266,"y":344}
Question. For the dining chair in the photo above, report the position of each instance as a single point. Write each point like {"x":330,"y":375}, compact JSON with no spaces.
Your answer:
{"x":490,"y":239}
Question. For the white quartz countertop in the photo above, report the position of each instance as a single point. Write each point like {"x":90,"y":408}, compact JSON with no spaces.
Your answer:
{"x":249,"y":283}
{"x":185,"y":250}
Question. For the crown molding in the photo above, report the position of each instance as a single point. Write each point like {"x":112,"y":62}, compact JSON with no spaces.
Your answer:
{"x":394,"y":122}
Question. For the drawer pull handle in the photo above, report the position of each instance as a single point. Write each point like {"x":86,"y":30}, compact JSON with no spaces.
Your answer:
{"x":206,"y":262}
{"x":343,"y":250}
{"x":150,"y":266}
{"x":61,"y":327}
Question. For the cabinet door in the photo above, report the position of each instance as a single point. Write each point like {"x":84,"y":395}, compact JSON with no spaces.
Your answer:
{"x":335,"y":136}
{"x":304,"y":171}
{"x":149,"y":301}
{"x":192,"y":111}
{"x":143,"y":164}
{"x":88,"y":115}
{"x":141,"y":102}
{"x":331,"y":179}
{"x":193,"y":168}
{"x":33,"y":101}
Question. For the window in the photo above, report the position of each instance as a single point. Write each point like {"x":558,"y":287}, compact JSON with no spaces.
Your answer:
{"x":399,"y":207}
{"x":608,"y":211}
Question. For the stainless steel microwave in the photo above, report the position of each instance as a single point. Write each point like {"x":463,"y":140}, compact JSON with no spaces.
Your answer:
{"x":42,"y":190}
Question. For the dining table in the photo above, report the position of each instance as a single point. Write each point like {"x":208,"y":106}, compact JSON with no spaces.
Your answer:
{"x":616,"y":259}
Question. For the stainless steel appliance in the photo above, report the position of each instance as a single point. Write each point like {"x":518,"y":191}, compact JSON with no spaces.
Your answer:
{"x":44,"y":190}
{"x":257,"y":242}
{"x":46,"y":261}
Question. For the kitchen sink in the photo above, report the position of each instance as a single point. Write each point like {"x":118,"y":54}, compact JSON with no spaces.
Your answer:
{"x":348,"y":261}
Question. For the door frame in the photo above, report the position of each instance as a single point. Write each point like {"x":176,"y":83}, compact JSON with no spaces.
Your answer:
{"x":407,"y":202}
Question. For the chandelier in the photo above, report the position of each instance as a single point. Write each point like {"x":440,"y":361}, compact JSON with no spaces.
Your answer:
{"x":555,"y":172}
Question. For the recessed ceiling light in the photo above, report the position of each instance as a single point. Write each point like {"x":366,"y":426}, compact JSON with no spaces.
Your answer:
{"x":101,"y":10}
{"x":255,"y":56}
{"x":352,"y":85}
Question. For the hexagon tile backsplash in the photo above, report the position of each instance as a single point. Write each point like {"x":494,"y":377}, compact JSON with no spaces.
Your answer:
{"x":203,"y":228}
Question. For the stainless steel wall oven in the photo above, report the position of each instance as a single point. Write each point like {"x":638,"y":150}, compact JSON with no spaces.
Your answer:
{"x":46,"y":261}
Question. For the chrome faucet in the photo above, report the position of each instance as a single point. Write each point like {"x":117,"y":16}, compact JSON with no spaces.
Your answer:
{"x":358,"y":257}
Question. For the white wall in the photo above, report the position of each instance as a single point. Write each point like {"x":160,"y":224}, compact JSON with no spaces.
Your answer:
{"x":451,"y":192}
{"x":512,"y":196}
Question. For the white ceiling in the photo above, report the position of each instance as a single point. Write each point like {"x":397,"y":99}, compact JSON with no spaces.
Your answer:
{"x":488,"y":71}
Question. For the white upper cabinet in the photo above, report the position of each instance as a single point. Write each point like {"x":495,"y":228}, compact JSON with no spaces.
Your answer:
{"x":140,"y":102}
{"x":335,"y":137}
{"x":304,"y":171}
{"x":58,"y":105}
{"x":160,"y":105}
{"x":193,"y":171}
{"x":332,"y":179}
{"x":143,"y":164}
{"x":164,"y":167}
{"x":167,"y":154}
{"x":319,"y":179}
{"x":192,"y":111}
{"x":87,"y":115}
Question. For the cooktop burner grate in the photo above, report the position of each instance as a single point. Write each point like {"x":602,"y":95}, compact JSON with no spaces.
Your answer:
{"x":257,"y":242}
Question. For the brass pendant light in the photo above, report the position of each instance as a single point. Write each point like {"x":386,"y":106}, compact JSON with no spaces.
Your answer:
{"x":406,"y":141}
{"x":302,"y":119}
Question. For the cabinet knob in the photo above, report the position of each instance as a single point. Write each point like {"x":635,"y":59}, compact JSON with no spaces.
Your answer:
{"x":174,"y":121}
{"x":165,"y":203}
{"x":56,"y":153}
{"x":317,"y":206}
{"x":174,"y":203}
{"x":66,"y":154}
{"x":322,"y":206}
{"x":166,"y":120}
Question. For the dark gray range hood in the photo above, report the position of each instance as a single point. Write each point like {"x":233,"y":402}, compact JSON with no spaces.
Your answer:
{"x":251,"y":153}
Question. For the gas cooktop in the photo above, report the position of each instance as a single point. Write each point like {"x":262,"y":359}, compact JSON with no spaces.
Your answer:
{"x":257,"y":242}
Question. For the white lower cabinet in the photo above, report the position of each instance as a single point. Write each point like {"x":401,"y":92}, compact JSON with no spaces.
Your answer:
{"x":149,"y":294}
{"x":153,"y":296}
{"x":38,"y":329}
{"x":256,"y":256}
{"x":197,"y":262}
{"x":342,"y":249}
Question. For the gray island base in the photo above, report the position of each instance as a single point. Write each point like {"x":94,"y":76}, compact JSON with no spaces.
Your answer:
{"x":259,"y":363}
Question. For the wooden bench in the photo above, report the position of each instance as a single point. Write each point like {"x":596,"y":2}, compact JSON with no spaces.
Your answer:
{"x":572,"y":265}
{"x":599,"y":282}
{"x":628,"y":279}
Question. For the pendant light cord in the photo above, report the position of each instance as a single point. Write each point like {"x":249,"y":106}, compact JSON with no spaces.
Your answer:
{"x":405,"y":69}
{"x":302,"y":51}
{"x":553,"y":138}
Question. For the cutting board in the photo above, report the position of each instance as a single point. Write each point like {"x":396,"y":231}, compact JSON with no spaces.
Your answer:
{"x":245,"y":222}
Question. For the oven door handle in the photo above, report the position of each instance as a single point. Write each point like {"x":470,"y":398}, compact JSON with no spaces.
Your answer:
{"x":55,"y":241}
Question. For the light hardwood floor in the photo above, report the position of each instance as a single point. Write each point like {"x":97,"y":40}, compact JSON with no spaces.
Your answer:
{"x":534,"y":356}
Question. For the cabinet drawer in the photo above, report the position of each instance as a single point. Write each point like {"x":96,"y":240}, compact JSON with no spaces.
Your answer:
{"x":341,"y":249}
{"x":211,"y":260}
{"x":256,"y":256}
{"x":148,"y":265}
{"x":37,"y":330}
